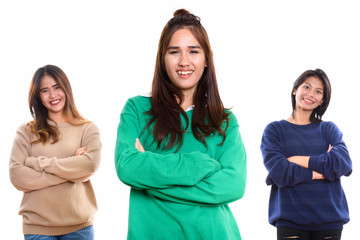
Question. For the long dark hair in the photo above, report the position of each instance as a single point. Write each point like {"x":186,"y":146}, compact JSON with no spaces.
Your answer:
{"x":40,"y":126}
{"x":318,"y":112}
{"x":209,"y":113}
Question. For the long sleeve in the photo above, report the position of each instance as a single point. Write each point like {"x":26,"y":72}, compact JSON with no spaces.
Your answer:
{"x":154,"y":170}
{"x":282,"y":173}
{"x":22,"y":177}
{"x":222,"y":187}
{"x":335,"y":163}
{"x":74,"y":168}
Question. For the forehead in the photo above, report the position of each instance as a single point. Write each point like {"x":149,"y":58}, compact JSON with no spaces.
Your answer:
{"x":314,"y":81}
{"x":183,"y":37}
{"x":47,"y":81}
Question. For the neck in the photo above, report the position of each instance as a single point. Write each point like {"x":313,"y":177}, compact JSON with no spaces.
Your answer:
{"x":300,"y":117}
{"x":188,"y":98}
{"x":58,"y":117}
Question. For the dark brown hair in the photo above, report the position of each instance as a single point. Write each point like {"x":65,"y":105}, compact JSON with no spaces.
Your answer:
{"x":208,"y":114}
{"x":318,"y":112}
{"x":40,"y":126}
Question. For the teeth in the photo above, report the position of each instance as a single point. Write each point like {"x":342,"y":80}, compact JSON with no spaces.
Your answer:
{"x":184,"y":72}
{"x":55,"y":102}
{"x":309,"y":101}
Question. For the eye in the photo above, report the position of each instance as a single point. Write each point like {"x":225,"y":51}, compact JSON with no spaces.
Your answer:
{"x":44,"y":91}
{"x":319,"y":92}
{"x":194,"y":51}
{"x":173,"y":52}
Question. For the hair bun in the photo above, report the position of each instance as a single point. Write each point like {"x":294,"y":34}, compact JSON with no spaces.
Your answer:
{"x":181,"y":12}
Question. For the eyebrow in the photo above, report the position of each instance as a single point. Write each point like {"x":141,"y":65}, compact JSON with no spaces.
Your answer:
{"x":312,"y":85}
{"x":55,"y":85}
{"x":176,"y":47}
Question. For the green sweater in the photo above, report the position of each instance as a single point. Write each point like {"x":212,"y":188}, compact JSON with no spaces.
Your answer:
{"x":182,"y":195}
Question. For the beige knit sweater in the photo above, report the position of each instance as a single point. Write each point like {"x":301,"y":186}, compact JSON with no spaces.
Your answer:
{"x":58,"y":195}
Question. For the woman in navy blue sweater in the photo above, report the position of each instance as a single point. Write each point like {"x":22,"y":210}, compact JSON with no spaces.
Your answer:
{"x":305,"y":158}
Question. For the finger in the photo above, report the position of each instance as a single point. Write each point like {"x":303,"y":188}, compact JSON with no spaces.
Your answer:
{"x":78,"y":152}
{"x":330,"y":147}
{"x":138,"y":145}
{"x":141,"y":148}
{"x":81,"y":151}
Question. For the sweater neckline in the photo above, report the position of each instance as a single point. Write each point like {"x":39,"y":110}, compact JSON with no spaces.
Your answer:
{"x":58,"y":124}
{"x":297,"y":125}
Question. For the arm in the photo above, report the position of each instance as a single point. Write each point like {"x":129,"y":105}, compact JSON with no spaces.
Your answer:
{"x":77,"y":168}
{"x":282,"y":173}
{"x":335,"y":163}
{"x":143,"y":170}
{"x":303,"y":161}
{"x":22,"y":177}
{"x":222,"y":187}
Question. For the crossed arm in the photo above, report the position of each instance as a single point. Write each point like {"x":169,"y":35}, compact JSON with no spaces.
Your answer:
{"x":290,"y":171}
{"x":303,"y":161}
{"x":29,"y":173}
{"x":224,"y":186}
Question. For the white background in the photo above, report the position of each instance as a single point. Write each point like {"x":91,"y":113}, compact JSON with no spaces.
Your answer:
{"x":108,"y":49}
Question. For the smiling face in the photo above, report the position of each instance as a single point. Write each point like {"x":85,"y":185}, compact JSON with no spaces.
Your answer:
{"x":53,"y":98}
{"x":309,"y":94}
{"x":184,"y":61}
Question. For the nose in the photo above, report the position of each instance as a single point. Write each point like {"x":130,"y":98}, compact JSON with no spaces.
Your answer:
{"x":52,"y":93}
{"x":184,"y":60}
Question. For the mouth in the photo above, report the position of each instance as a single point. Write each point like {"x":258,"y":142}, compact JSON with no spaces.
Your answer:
{"x":54,"y":102}
{"x":184,"y":73}
{"x":308,"y":101}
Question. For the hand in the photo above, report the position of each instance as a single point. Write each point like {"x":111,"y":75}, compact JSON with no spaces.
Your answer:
{"x":138,"y":145}
{"x":317,"y":176}
{"x":330,"y":147}
{"x":81,"y":151}
{"x":302,"y":161}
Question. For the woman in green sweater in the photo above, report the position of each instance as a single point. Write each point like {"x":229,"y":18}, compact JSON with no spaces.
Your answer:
{"x":179,"y":149}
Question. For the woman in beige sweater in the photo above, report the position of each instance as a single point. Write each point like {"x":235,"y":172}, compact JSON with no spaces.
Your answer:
{"x":52,"y":159}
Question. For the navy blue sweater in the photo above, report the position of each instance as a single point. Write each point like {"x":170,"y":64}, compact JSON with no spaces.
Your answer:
{"x":296,"y":200}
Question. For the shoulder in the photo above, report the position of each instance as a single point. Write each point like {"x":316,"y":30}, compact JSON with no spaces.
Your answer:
{"x":140,"y":100}
{"x":24,"y":127}
{"x":91,"y":126}
{"x":327,"y":124}
{"x":138,"y":103}
{"x":24,"y":131}
{"x":330,"y":128}
{"x":89,"y":132}
{"x":232,"y":120}
{"x":276,"y":125}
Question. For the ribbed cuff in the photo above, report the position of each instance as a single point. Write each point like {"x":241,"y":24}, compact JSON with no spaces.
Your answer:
{"x":54,"y":231}
{"x":317,"y":163}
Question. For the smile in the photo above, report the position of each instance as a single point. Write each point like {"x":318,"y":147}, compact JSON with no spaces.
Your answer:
{"x":55,"y":102}
{"x":308,"y":101}
{"x":184,"y":72}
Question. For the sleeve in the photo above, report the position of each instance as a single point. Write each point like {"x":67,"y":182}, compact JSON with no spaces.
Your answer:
{"x":224,"y":186}
{"x":25,"y":178}
{"x":75,"y":168}
{"x":335,"y":163}
{"x":282,"y":173}
{"x":155,"y":170}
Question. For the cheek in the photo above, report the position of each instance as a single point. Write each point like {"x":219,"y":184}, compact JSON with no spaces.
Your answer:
{"x":321,"y":100}
{"x":43,"y":99}
{"x":64,"y":97}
